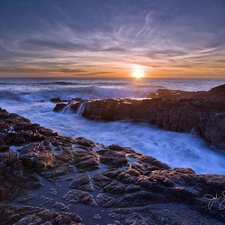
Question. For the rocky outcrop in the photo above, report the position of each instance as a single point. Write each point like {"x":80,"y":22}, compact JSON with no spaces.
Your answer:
{"x":200,"y":112}
{"x":30,"y":215}
{"x":63,"y":180}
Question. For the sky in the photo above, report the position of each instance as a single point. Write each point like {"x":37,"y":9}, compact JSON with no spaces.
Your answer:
{"x":112,"y":38}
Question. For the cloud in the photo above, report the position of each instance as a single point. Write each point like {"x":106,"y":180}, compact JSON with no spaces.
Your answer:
{"x":113,"y":38}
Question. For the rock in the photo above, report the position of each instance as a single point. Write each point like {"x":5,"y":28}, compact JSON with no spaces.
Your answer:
{"x":53,"y":192}
{"x":58,"y":170}
{"x":4,"y":148}
{"x":113,"y":158}
{"x":36,"y":157}
{"x":22,"y":215}
{"x":140,"y":198}
{"x":82,"y":182}
{"x":84,"y":142}
{"x":218,"y":90}
{"x":79,"y":197}
{"x":66,"y":156}
{"x":115,"y":188}
{"x":154,"y":162}
{"x":101,"y":181}
{"x":215,"y":130}
{"x":86,"y":160}
{"x":75,"y":106}
{"x":180,"y":194}
{"x":145,"y":191}
{"x":162,"y":214}
{"x":1,"y":141}
{"x":55,"y":100}
{"x":59,"y":107}
{"x":97,"y":217}
{"x":126,"y":150}
{"x":61,"y":206}
{"x":14,"y":177}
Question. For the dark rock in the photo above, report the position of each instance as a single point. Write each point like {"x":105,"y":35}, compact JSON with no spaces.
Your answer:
{"x":74,"y":107}
{"x":66,"y":156}
{"x":14,"y":177}
{"x":132,"y":188}
{"x":215,"y":130}
{"x":85,"y":142}
{"x":47,"y":132}
{"x":127,"y":150}
{"x":154,"y":162}
{"x":140,"y":198}
{"x":146,"y":191}
{"x":58,"y":170}
{"x":26,"y":127}
{"x":79,"y":197}
{"x":77,"y":99}
{"x":29,"y":215}
{"x":218,"y":90}
{"x":162,"y":214}
{"x":112,"y":174}
{"x":86,"y":160}
{"x":61,"y":206}
{"x":82,"y":182}
{"x":19,"y":140}
{"x":36,"y":157}
{"x":212,"y":184}
{"x":180,"y":194}
{"x":113,"y":158}
{"x":1,"y":141}
{"x":59,"y":107}
{"x":4,"y":148}
{"x":100,"y":180}
{"x":55,"y":100}
{"x":115,"y":188}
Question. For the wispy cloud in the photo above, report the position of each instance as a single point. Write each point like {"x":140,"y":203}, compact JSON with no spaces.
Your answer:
{"x":67,"y":47}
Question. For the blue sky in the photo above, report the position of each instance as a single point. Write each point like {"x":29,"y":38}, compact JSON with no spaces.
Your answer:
{"x":110,"y":38}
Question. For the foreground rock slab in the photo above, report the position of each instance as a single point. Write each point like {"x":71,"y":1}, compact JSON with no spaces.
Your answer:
{"x":51,"y":179}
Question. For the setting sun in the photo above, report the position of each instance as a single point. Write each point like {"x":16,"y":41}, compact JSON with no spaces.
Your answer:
{"x":138,"y":74}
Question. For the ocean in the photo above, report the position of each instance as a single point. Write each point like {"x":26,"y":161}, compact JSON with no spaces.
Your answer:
{"x":31,"y":99}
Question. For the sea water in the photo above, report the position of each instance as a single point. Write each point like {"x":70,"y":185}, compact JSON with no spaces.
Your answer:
{"x":31,"y":99}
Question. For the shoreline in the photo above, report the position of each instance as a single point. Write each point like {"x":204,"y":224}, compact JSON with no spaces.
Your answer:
{"x":116,"y":184}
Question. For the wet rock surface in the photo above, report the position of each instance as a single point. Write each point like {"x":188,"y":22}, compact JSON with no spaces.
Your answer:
{"x":50,"y":179}
{"x":200,"y":112}
{"x":31,"y":215}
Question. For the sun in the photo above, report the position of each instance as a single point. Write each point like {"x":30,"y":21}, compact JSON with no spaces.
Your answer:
{"x":138,"y":74}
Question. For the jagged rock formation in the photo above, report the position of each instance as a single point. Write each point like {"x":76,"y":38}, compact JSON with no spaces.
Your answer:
{"x":51,"y":179}
{"x":199,"y":112}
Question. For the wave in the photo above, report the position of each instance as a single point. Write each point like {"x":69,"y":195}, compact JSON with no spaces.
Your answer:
{"x":36,"y":90}
{"x":28,"y":93}
{"x":60,"y":83}
{"x":119,"y":92}
{"x":149,"y":86}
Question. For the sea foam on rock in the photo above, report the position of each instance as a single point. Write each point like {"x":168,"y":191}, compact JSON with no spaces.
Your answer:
{"x":57,"y":180}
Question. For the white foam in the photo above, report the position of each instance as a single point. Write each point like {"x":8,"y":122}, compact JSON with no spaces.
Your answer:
{"x":81,"y":108}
